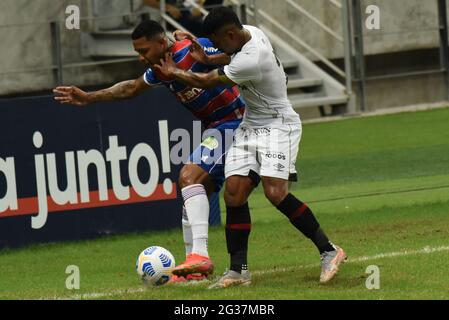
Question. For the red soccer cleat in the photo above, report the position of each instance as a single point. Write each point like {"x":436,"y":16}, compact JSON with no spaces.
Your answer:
{"x":188,"y":279}
{"x":196,"y":277}
{"x":194,"y":264}
{"x":176,"y":279}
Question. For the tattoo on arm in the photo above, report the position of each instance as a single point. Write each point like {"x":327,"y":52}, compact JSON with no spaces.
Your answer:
{"x":122,"y":90}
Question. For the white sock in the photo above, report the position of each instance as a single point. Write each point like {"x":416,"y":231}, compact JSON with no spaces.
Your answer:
{"x":197,"y":208}
{"x":187,"y":232}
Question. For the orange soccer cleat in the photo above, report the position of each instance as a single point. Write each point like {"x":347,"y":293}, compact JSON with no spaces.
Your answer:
{"x":188,"y":279}
{"x":176,"y":279}
{"x":194,"y":264}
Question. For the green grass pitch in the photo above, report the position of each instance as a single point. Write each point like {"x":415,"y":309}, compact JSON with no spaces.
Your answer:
{"x":378,"y":185}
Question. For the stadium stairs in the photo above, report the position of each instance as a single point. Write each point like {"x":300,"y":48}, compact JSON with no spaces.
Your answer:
{"x":308,"y":85}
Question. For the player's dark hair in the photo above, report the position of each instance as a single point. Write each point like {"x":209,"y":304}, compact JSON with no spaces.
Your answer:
{"x":220,"y":17}
{"x":148,"y":29}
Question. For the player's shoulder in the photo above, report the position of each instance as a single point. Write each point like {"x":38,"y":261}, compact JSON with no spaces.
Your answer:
{"x":253,"y":45}
{"x":205,"y":41}
{"x":208,"y":45}
{"x":251,"y":28}
{"x":249,"y":54}
{"x":181,"y":45}
{"x":255,"y":32}
{"x":152,"y":77}
{"x":260,"y":39}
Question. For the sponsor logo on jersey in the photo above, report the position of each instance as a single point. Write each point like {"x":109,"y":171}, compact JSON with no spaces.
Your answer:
{"x":279,"y":166}
{"x":210,"y":49}
{"x":189,"y":95}
{"x":275,"y":155}
{"x":260,"y":131}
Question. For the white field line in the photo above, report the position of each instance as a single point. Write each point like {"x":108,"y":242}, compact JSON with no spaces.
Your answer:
{"x":382,"y":112}
{"x":425,"y":250}
{"x":404,"y":253}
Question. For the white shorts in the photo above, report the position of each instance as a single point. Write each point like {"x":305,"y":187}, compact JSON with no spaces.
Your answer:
{"x":266,"y":151}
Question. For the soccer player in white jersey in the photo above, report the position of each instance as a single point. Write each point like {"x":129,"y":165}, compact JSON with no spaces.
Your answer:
{"x":265,"y":144}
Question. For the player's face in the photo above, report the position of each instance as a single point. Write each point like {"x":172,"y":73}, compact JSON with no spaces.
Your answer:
{"x":150,"y":51}
{"x":225,"y":40}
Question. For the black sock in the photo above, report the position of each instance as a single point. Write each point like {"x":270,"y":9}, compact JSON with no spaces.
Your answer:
{"x":238,"y":228}
{"x":303,"y":219}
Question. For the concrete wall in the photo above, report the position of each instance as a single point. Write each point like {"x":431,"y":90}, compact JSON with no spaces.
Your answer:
{"x":381,"y":94}
{"x":405,"y":25}
{"x":26,"y":44}
{"x":396,"y":92}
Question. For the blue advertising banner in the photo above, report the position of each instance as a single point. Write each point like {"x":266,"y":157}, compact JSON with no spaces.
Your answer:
{"x":69,"y":172}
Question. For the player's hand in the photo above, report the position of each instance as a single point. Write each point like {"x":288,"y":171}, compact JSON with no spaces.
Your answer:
{"x":72,"y":95}
{"x":167,"y":67}
{"x":197,"y":52}
{"x":180,"y":35}
{"x":196,"y":49}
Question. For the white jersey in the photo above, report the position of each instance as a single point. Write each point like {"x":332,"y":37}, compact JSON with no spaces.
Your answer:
{"x":262,"y":83}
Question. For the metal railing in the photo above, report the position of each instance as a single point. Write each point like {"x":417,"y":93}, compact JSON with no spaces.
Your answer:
{"x":302,"y":43}
{"x":254,"y":12}
{"x":312,"y":18}
{"x":244,"y":7}
{"x":197,"y":6}
{"x":91,"y":22}
{"x":166,"y":18}
{"x":351,"y":38}
{"x":344,"y":39}
{"x":58,"y":64}
{"x":361,"y":75}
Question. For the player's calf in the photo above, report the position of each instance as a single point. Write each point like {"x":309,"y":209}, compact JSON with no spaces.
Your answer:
{"x":302,"y":217}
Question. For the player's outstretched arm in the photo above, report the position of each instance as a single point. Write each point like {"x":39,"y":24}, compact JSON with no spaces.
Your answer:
{"x":122,"y":90}
{"x":195,"y":79}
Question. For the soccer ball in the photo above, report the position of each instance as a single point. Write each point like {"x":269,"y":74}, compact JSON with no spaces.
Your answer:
{"x":154,"y":265}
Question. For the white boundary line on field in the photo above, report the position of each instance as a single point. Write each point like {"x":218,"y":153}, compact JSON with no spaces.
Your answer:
{"x":425,"y":250}
{"x":382,"y":112}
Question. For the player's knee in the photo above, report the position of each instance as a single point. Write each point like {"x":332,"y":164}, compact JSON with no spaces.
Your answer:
{"x":234,"y":199}
{"x":187,"y":178}
{"x":233,"y":195}
{"x":191,"y":174}
{"x":275,"y":195}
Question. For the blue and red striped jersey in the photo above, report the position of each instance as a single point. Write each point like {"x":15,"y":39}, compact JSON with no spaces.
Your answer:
{"x":212,"y":106}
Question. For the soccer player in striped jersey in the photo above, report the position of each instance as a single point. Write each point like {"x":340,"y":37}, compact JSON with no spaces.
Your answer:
{"x":220,"y":108}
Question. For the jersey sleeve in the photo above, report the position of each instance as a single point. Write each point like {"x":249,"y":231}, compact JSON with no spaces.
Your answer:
{"x":208,"y":46}
{"x":243,"y":68}
{"x":150,"y":78}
